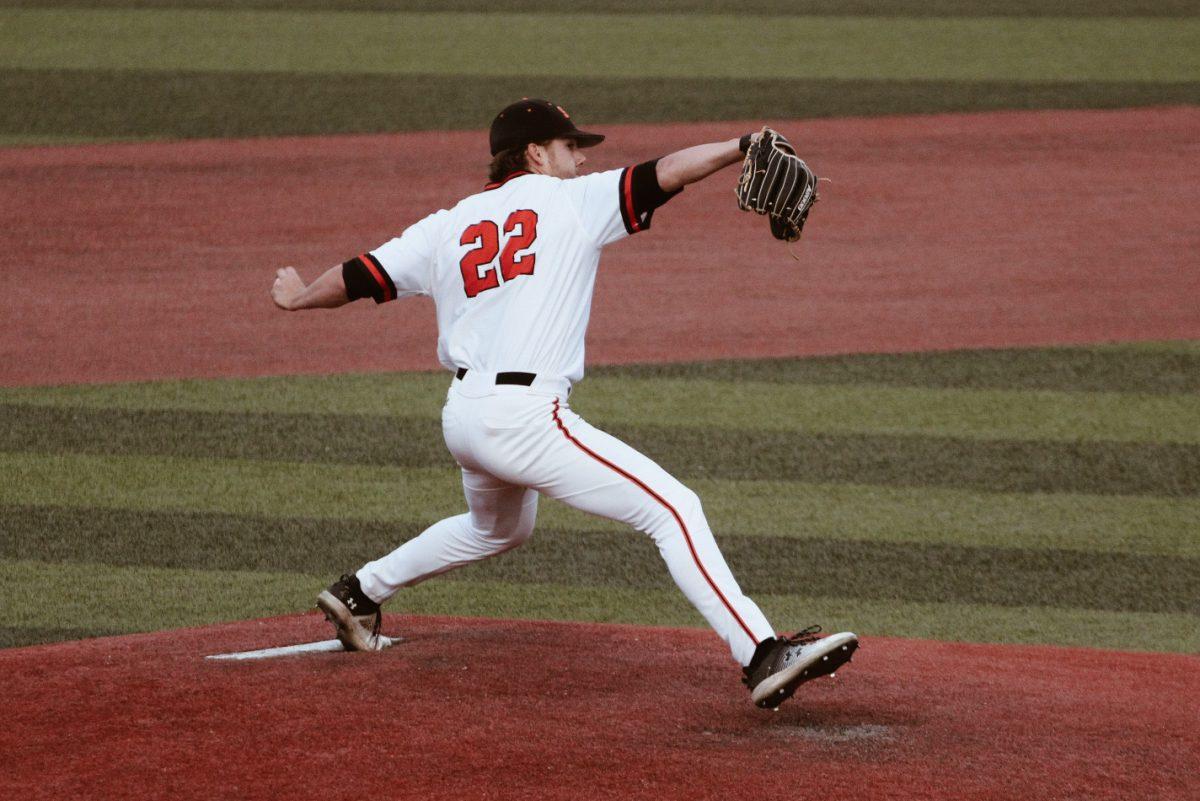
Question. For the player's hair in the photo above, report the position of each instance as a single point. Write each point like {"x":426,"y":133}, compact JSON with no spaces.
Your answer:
{"x":506,"y":162}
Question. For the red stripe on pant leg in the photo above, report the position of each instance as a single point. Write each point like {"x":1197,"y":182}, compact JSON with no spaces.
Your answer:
{"x":686,"y":535}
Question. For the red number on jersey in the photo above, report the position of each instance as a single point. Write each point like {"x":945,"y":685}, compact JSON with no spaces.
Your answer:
{"x":486,"y":236}
{"x":510,"y":265}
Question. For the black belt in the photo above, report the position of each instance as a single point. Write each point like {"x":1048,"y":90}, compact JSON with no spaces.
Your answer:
{"x":523,"y":379}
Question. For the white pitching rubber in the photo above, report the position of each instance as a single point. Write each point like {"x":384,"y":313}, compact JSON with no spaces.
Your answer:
{"x":324,"y":646}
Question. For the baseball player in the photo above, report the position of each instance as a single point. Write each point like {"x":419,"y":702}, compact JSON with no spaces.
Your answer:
{"x":511,"y":270}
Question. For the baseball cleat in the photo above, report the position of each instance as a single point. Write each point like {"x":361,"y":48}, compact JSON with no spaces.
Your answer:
{"x":350,"y":611}
{"x":782,"y":664}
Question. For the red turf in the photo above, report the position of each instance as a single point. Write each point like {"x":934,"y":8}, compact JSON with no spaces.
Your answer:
{"x":975,"y":230}
{"x":480,"y":709}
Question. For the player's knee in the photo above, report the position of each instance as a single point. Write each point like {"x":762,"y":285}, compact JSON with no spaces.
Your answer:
{"x":681,"y":505}
{"x":687,"y":503}
{"x":512,"y":528}
{"x":522,"y":528}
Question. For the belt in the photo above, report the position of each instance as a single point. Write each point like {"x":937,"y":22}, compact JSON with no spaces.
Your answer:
{"x":523,"y":379}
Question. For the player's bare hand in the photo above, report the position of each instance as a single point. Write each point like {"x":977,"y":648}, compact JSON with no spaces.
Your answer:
{"x":287,"y":288}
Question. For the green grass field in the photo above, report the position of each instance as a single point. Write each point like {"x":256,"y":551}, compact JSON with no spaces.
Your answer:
{"x":99,"y":70}
{"x":658,"y":46}
{"x":1046,"y":495}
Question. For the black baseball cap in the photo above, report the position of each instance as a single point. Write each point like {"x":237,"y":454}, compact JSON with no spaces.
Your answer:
{"x":533,"y":120}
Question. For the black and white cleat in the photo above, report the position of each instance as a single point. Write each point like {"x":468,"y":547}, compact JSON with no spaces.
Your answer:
{"x":802,"y":662}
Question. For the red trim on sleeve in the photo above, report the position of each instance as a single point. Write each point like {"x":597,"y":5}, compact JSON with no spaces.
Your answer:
{"x":627,"y":199}
{"x":379,"y":279}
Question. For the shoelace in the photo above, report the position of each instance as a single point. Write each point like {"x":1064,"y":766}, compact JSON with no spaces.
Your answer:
{"x":801,"y":637}
{"x":804,"y":636}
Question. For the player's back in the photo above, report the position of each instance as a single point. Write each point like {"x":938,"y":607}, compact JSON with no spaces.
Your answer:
{"x":513,"y":277}
{"x":512,"y":268}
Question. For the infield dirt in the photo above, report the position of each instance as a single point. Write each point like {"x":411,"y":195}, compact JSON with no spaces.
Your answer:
{"x":614,"y":711}
{"x":999,"y":229}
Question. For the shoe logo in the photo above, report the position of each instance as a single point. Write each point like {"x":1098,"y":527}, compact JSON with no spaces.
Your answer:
{"x":350,"y":603}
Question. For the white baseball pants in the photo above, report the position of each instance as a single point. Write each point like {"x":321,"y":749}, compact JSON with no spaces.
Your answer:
{"x":514,"y":442}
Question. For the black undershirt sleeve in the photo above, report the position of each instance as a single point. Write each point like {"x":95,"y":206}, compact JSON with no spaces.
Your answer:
{"x":641,"y":195}
{"x":365,"y":278}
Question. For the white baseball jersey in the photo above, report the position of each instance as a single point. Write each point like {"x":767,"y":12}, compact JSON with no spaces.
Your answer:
{"x":512,"y":269}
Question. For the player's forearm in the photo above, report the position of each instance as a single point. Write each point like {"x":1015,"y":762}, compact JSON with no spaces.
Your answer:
{"x":695,"y":163}
{"x":327,"y":292}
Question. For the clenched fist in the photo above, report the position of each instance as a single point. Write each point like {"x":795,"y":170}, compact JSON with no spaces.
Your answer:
{"x":287,"y":288}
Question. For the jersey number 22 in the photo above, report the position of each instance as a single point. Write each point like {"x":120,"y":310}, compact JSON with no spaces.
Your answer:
{"x":520,"y":229}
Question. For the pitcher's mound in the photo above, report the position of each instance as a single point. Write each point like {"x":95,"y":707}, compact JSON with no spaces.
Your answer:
{"x":475,"y":709}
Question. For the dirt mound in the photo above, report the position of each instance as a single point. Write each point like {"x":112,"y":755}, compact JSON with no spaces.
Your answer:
{"x":484,"y":709}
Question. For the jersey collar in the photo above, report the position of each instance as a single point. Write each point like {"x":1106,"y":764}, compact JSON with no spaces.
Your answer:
{"x":506,"y":179}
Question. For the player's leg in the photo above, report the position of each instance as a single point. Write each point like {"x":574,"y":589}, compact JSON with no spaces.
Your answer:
{"x":611,"y":479}
{"x":597,"y":473}
{"x":607,"y":477}
{"x":499,"y":517}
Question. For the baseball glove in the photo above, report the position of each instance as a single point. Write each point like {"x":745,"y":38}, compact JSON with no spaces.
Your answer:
{"x":776,"y":182}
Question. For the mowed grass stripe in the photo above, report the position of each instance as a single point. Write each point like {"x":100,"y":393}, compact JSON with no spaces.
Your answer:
{"x":998,"y":466}
{"x":1178,"y":346}
{"x":1127,"y":468}
{"x":1153,"y":368}
{"x":52,"y":105}
{"x":100,"y":599}
{"x":412,"y":498}
{"x":95,"y":600}
{"x":905,"y":8}
{"x":766,"y":565}
{"x":986,"y":414}
{"x":692,"y":46}
{"x":34,"y":634}
{"x":417,"y":394}
{"x":725,"y":403}
{"x":331,"y":438}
